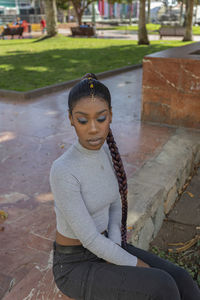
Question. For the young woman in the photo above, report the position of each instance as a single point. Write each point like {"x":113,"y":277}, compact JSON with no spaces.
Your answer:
{"x":92,"y":259}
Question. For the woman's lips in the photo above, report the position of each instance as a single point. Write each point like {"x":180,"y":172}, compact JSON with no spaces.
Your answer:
{"x":95,"y":141}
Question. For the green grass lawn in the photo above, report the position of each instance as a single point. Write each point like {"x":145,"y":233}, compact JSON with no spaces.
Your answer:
{"x":151,"y":28}
{"x":27,"y":65}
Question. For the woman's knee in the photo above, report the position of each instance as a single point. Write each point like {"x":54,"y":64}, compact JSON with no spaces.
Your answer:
{"x":182,"y":275}
{"x":163,"y":286}
{"x":187,"y":287}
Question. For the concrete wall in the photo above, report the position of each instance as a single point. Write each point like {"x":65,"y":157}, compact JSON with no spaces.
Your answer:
{"x":153,"y":191}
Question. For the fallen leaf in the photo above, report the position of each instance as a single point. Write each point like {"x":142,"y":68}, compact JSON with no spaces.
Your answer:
{"x":190,"y":194}
{"x":176,"y":244}
{"x":3,"y":214}
{"x":186,"y":245}
{"x":62,"y":146}
{"x":2,"y":228}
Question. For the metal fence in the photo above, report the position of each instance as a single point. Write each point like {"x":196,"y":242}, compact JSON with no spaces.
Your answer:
{"x":32,"y":19}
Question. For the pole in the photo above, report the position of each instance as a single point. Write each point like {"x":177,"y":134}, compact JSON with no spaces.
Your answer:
{"x":17,"y":6}
{"x":93,"y":17}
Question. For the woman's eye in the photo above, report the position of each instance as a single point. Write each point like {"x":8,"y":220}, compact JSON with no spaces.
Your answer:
{"x":101,"y":119}
{"x":82,"y":121}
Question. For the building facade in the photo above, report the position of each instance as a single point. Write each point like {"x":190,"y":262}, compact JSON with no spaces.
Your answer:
{"x":14,"y":6}
{"x":29,"y":10}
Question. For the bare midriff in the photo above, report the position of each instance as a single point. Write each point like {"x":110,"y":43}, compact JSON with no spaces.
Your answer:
{"x":65,"y":241}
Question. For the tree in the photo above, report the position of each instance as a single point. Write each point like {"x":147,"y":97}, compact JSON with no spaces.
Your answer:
{"x":181,"y":12}
{"x":80,"y":6}
{"x":51,"y":17}
{"x":142,"y":31}
{"x":63,"y":5}
{"x":189,"y":17}
{"x":149,"y":11}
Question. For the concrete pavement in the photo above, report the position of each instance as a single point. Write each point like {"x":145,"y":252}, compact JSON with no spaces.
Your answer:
{"x":115,"y":34}
{"x":127,"y":35}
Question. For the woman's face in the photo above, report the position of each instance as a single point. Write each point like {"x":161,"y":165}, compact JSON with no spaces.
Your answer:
{"x":91,"y":119}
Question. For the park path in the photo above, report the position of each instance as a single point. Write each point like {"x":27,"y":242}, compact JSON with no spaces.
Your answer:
{"x":116,"y":34}
{"x":128,"y":35}
{"x":32,"y":135}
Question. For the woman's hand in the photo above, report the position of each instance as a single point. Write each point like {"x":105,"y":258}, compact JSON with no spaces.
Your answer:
{"x":141,"y":263}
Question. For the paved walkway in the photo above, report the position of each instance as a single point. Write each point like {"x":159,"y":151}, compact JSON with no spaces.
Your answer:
{"x":117,"y":34}
{"x":32,"y":135}
{"x":128,"y":35}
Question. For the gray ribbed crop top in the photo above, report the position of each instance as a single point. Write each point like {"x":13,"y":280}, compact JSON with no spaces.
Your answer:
{"x":87,"y":201}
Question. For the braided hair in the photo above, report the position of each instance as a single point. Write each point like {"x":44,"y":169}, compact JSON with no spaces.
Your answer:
{"x":122,"y":181}
{"x":90,"y":86}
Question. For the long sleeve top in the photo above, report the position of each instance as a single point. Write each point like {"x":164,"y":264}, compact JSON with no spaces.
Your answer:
{"x":87,"y":201}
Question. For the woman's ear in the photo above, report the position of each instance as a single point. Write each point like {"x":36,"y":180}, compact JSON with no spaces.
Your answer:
{"x":71,"y":118}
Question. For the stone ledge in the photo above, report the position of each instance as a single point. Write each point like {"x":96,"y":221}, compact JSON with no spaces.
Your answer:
{"x":154,"y":188}
{"x":14,"y":95}
{"x":170,"y":87}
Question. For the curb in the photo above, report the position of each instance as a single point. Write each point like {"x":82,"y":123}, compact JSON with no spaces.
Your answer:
{"x":14,"y":95}
{"x":156,"y":186}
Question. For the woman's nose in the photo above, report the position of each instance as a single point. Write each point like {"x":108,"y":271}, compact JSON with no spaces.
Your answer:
{"x":93,"y":127}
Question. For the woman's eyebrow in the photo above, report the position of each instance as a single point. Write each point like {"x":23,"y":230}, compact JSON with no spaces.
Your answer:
{"x":98,"y":113}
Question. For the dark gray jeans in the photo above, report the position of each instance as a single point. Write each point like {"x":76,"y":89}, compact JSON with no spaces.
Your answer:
{"x":84,"y":276}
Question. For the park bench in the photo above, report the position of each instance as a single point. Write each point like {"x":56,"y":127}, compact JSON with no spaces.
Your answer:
{"x":83,"y":31}
{"x":171,"y":31}
{"x":13,"y":31}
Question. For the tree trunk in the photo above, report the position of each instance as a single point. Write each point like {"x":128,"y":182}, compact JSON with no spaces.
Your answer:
{"x":51,"y":17}
{"x":42,"y":11}
{"x":130,"y":14}
{"x":63,"y":13}
{"x":142,"y":31}
{"x":78,"y":11}
{"x":186,"y":9}
{"x":189,"y":16}
{"x":79,"y":17}
{"x":181,"y":13}
{"x":149,"y":11}
{"x":195,"y":16}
